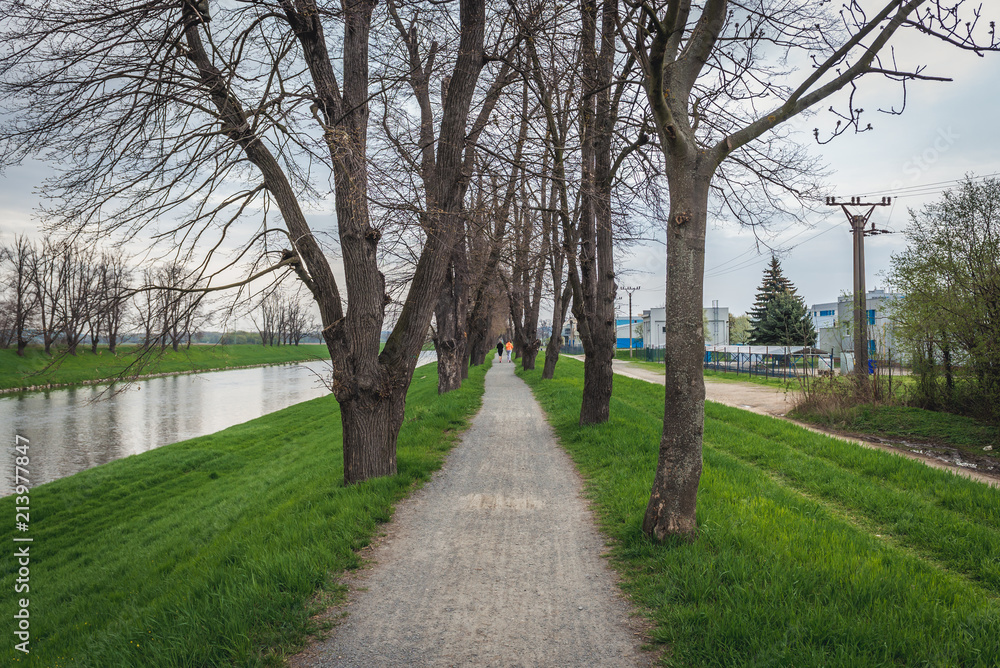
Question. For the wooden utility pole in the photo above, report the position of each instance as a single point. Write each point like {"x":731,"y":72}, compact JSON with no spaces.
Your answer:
{"x":630,"y":290}
{"x":858,"y":222}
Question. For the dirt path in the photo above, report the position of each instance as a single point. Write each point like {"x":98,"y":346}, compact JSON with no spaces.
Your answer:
{"x":777,"y":402}
{"x":495,"y":562}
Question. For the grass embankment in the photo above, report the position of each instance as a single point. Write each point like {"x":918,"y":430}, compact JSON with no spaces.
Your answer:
{"x":213,"y":551}
{"x":812,"y":551}
{"x":38,"y":369}
{"x":910,"y":424}
{"x":889,"y":422}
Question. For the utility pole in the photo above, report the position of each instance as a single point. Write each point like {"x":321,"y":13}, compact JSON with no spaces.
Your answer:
{"x":858,"y":222}
{"x":630,"y":290}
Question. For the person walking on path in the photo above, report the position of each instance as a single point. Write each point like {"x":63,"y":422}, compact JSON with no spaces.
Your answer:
{"x":495,"y":562}
{"x":500,"y":348}
{"x":510,"y":347}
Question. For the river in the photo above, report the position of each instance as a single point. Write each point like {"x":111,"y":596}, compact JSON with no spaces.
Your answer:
{"x":76,"y":428}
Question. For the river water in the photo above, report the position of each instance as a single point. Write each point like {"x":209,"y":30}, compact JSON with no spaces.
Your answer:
{"x":76,"y":428}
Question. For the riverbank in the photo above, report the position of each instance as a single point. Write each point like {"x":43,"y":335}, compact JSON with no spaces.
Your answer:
{"x":38,"y":371}
{"x":812,"y":551}
{"x":217,"y":550}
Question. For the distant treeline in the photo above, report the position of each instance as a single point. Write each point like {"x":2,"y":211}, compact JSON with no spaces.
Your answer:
{"x":60,"y":293}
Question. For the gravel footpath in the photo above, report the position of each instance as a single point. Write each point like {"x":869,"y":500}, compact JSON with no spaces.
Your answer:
{"x":495,"y":562}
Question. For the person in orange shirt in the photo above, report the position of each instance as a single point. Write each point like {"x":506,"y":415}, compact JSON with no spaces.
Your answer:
{"x":509,"y":347}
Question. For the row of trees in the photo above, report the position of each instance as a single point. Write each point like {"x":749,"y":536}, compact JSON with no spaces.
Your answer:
{"x":479,"y":157}
{"x":282,"y":319}
{"x":64,"y":292}
{"x":73,"y":295}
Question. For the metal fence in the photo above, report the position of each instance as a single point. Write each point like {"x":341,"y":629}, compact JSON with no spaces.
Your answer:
{"x":770,"y":361}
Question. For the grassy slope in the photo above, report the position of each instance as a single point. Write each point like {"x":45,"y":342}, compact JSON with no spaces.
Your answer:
{"x":908,"y":423}
{"x":37,"y":368}
{"x":904,"y":423}
{"x":207,"y":552}
{"x":812,"y":552}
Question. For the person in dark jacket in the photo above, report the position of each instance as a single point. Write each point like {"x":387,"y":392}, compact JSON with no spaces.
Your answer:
{"x":500,"y":348}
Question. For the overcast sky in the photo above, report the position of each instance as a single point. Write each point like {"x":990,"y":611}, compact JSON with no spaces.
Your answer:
{"x":947,"y":130}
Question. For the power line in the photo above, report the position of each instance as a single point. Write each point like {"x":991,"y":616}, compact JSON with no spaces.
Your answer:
{"x":922,"y":189}
{"x":925,"y":188}
{"x":763,"y":257}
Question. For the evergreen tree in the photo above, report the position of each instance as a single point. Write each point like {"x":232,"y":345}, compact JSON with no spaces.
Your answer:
{"x":786,"y":322}
{"x":779,"y":316}
{"x":773,"y":284}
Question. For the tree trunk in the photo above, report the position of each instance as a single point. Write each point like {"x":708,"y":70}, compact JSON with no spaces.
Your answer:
{"x":671,"y":509}
{"x":597,"y":271}
{"x":555,"y":340}
{"x":451,"y":315}
{"x":370,"y":425}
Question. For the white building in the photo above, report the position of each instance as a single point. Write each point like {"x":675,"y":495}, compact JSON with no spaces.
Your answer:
{"x":717,"y":325}
{"x":654,"y":326}
{"x":880,"y":338}
{"x":823,"y":315}
{"x":833,"y":322}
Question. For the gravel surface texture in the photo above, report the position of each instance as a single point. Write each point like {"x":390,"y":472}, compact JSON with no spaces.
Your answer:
{"x":495,"y":562}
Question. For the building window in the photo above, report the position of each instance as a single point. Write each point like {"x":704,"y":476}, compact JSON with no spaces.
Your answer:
{"x":871,"y":346}
{"x":871,"y":316}
{"x":823,"y":314}
{"x":664,"y":329}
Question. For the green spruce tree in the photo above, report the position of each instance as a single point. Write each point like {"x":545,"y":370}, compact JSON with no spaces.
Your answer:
{"x":773,"y":284}
{"x":785,"y":323}
{"x":779,"y":316}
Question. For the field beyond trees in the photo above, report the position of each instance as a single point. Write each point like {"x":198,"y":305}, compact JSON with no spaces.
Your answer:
{"x":38,"y":369}
{"x":811,"y":551}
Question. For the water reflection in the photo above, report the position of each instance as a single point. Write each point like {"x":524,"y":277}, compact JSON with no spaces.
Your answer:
{"x":69,"y":431}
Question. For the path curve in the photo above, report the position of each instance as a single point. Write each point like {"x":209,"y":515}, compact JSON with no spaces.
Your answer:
{"x":495,"y":562}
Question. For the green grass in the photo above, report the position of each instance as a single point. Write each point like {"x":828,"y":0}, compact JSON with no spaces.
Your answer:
{"x":907,"y":423}
{"x":211,"y":552}
{"x":37,"y":368}
{"x":812,"y":551}
{"x":767,"y":381}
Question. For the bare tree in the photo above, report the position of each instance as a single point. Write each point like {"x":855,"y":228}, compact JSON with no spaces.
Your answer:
{"x":267,"y":319}
{"x":165,"y":111}
{"x":76,"y":282}
{"x":488,"y":235}
{"x":46,"y":280}
{"x":529,"y":252}
{"x":23,"y":298}
{"x":115,"y":282}
{"x":443,"y":122}
{"x":108,"y":299}
{"x":717,"y":81}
